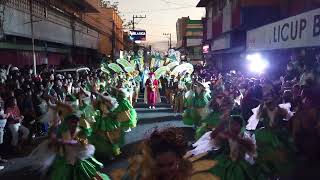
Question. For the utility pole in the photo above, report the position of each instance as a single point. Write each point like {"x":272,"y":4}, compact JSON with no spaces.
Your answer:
{"x":113,"y":40}
{"x":168,"y":35}
{"x":137,"y":17}
{"x":32,"y":36}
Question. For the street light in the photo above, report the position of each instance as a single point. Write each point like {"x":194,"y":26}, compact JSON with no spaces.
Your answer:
{"x":168,"y":36}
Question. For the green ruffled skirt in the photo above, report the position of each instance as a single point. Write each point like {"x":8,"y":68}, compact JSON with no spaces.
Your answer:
{"x":188,"y":102}
{"x":213,"y":119}
{"x":275,"y":152}
{"x":124,"y":105}
{"x":104,"y":148}
{"x":200,"y":131}
{"x":191,"y":117}
{"x":200,"y":101}
{"x":227,"y":169}
{"x":106,"y":123}
{"x":132,"y":123}
{"x":82,"y":170}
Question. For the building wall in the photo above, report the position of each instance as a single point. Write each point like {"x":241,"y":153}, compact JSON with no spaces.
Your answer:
{"x":104,"y":20}
{"x":181,"y":31}
{"x":190,"y":36}
{"x":226,"y":24}
{"x":49,"y":25}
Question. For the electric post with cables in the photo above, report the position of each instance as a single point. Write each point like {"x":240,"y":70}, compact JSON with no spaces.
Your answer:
{"x":169,"y":37}
{"x":137,"y":17}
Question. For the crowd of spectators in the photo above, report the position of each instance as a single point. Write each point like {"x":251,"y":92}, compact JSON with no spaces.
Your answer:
{"x":23,"y":102}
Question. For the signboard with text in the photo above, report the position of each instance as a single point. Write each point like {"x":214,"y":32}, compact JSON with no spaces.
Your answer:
{"x":138,"y":35}
{"x":206,"y":49}
{"x":302,"y":30}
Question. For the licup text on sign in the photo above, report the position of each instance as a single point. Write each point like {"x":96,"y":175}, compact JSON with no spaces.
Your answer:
{"x":302,"y":30}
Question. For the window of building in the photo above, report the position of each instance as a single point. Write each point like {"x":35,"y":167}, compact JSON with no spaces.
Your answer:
{"x":22,"y":5}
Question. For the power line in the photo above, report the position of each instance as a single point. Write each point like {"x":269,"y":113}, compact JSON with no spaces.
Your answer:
{"x":155,"y":24}
{"x":174,"y":3}
{"x":158,"y":10}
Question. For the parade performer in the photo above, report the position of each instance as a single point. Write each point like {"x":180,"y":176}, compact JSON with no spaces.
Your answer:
{"x":160,"y":157}
{"x":179,"y":92}
{"x":144,"y":77}
{"x":137,"y":81}
{"x":152,"y":95}
{"x":65,"y":155}
{"x":107,"y":134}
{"x":233,"y":161}
{"x":199,"y":101}
{"x":212,"y":120}
{"x":275,"y":145}
{"x":125,"y":113}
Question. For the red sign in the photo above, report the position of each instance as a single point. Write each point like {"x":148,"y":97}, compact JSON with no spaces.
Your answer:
{"x":205,"y":49}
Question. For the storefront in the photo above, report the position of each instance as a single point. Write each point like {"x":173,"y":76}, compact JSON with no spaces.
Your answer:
{"x":277,"y":41}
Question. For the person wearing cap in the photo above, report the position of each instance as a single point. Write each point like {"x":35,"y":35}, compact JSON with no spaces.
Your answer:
{"x":152,"y":92}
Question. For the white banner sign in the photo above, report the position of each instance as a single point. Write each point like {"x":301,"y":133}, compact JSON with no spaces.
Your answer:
{"x":302,"y":30}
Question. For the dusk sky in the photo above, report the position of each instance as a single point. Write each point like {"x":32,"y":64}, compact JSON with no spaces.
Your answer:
{"x":161,"y":17}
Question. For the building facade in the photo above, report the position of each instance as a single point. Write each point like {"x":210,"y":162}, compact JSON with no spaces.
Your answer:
{"x":64,"y":31}
{"x":227,"y":22}
{"x":109,"y":23}
{"x":189,"y":39}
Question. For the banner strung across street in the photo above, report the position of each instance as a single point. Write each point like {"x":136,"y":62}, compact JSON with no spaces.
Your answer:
{"x":302,"y":30}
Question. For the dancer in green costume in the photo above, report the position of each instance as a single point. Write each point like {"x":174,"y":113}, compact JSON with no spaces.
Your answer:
{"x":66,"y":154}
{"x":125,"y":113}
{"x":230,"y":163}
{"x":107,"y":136}
{"x":211,"y":121}
{"x":199,"y":100}
{"x":74,"y":159}
{"x":275,"y":145}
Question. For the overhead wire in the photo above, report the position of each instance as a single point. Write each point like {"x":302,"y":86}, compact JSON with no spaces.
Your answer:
{"x":158,"y":10}
{"x":175,"y":3}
